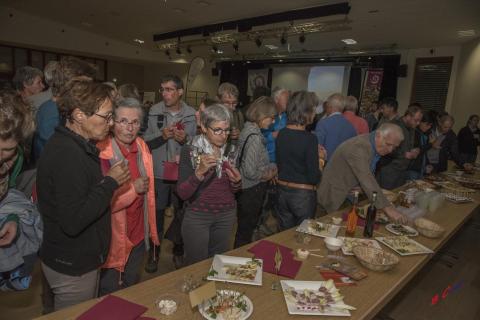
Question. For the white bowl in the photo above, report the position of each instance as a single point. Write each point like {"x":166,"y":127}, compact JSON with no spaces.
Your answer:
{"x":333,"y":244}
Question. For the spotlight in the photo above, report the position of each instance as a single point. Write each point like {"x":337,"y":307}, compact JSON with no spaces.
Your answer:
{"x":301,"y":38}
{"x":189,"y":49}
{"x":283,"y":39}
{"x":178,"y":51}
{"x":235,"y":46}
{"x":258,"y":42}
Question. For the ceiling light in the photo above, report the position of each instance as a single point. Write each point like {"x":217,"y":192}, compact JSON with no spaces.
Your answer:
{"x":356,"y":52}
{"x":139,"y":41}
{"x":349,"y":41}
{"x":220,"y":51}
{"x":258,"y":42}
{"x":271,"y":46}
{"x":466,"y":33}
{"x":248,"y":61}
{"x":322,"y":59}
{"x":301,"y":38}
{"x":280,"y":60}
{"x":369,"y":58}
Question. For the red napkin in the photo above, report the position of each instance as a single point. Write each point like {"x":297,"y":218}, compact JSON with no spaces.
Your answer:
{"x":360,"y":222}
{"x":265,"y":250}
{"x":113,"y":308}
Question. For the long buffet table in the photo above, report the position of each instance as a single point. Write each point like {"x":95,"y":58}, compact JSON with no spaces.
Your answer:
{"x":369,"y":296}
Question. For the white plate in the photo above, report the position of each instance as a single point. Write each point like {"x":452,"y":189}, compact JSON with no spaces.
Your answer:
{"x":390,"y":228}
{"x":311,"y":285}
{"x":218,"y":263}
{"x":202,"y":308}
{"x":331,"y":230}
{"x":346,"y":249}
{"x":418,"y":248}
{"x":457,"y":199}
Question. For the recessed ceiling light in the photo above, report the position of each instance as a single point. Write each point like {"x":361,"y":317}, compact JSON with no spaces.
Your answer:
{"x":139,"y":41}
{"x":179,"y":10}
{"x":466,"y":33}
{"x":219,"y":51}
{"x":280,"y":60}
{"x":248,"y":61}
{"x":203,"y":3}
{"x":271,"y":46}
{"x":322,"y":59}
{"x":349,"y":41}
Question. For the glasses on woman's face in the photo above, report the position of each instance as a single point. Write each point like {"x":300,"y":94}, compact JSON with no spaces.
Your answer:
{"x":124,"y":123}
{"x":107,"y":117}
{"x":220,"y":131}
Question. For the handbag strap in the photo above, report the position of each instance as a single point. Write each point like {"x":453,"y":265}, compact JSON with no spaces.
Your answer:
{"x":240,"y":158}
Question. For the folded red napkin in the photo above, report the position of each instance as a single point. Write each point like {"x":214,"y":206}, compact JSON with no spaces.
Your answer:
{"x":266,"y":250}
{"x":360,"y":222}
{"x":113,"y":308}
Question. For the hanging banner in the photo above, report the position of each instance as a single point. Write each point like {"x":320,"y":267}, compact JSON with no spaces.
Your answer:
{"x":371,"y":90}
{"x":257,"y":81}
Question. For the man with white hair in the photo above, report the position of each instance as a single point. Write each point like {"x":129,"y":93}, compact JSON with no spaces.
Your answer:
{"x":353,"y":165}
{"x":350,"y":113}
{"x":334,"y":129}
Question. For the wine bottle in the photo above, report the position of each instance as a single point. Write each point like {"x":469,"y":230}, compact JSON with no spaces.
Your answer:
{"x":370,"y":218}
{"x":352,"y":217}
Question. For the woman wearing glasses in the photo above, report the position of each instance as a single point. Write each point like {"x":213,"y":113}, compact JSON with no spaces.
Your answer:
{"x":133,"y":204}
{"x":207,"y":183}
{"x":74,"y":196}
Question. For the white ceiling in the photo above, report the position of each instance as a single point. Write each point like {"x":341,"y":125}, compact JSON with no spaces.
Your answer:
{"x":407,"y":23}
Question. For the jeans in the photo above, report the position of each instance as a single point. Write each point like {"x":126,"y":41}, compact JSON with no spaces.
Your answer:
{"x":294,"y":206}
{"x":111,"y":280}
{"x":206,"y":234}
{"x":250,"y":203}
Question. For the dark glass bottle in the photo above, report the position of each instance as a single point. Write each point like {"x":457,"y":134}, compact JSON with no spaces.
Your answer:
{"x":370,"y":218}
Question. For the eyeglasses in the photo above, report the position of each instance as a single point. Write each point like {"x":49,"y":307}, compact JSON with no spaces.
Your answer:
{"x":219,"y":131}
{"x":125,"y":123}
{"x":106,"y":117}
{"x":167,"y":89}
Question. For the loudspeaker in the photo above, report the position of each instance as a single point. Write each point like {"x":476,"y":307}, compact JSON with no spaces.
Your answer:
{"x":215,"y":72}
{"x":402,"y":70}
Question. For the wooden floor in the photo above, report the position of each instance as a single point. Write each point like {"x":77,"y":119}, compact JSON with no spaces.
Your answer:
{"x":458,"y":265}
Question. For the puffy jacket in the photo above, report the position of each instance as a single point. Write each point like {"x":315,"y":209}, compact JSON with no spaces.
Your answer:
{"x":120,"y":245}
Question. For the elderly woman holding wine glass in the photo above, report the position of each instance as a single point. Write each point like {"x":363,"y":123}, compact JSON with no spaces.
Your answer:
{"x":208,"y":183}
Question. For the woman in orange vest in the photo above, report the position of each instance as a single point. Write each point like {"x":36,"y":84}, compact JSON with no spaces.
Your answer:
{"x":133,"y":205}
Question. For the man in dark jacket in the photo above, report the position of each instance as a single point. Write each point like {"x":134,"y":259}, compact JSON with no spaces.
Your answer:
{"x":392,"y":169}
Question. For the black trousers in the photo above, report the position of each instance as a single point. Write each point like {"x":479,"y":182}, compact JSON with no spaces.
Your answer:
{"x":294,"y":206}
{"x":249,"y":204}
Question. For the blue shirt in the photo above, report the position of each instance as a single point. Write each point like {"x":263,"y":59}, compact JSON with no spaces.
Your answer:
{"x":333,"y":131}
{"x":376,"y":156}
{"x":48,"y":118}
{"x":279,"y":124}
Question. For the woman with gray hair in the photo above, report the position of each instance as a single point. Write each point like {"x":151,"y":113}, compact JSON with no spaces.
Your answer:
{"x":133,"y":204}
{"x":207,"y":183}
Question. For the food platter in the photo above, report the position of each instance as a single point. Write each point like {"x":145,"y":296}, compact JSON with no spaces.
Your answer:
{"x":404,"y":245}
{"x":227,"y":305}
{"x":457,"y":198}
{"x":236,"y":270}
{"x":401,"y":230}
{"x":314,"y":298}
{"x":349,"y":243}
{"x":318,"y":229}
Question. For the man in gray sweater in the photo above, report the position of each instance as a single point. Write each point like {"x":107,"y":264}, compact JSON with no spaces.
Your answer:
{"x":171,"y":123}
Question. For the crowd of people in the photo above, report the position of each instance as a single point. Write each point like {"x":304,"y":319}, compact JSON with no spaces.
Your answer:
{"x":106,"y":168}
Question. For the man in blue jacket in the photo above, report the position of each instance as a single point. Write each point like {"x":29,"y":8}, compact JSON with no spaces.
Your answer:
{"x":334,"y":129}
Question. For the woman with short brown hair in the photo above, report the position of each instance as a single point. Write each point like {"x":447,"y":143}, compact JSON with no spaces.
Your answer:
{"x":74,"y":196}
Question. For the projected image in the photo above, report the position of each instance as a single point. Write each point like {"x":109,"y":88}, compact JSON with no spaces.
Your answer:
{"x":326,"y":80}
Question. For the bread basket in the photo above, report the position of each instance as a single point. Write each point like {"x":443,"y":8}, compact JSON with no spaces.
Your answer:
{"x":375,"y":259}
{"x":429,"y":228}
